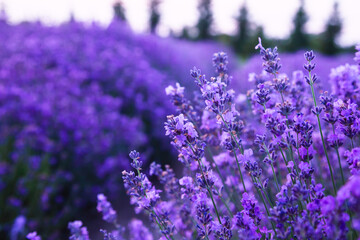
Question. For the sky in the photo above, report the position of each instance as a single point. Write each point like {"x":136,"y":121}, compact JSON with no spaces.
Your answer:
{"x":275,"y":15}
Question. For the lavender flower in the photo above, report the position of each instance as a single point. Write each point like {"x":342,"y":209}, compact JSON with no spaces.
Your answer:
{"x":350,"y":193}
{"x":353,"y":160}
{"x":204,"y":217}
{"x":18,"y":227}
{"x":139,"y":231}
{"x":224,"y":231}
{"x":103,"y":206}
{"x":270,"y":58}
{"x":78,"y":232}
{"x":33,"y":236}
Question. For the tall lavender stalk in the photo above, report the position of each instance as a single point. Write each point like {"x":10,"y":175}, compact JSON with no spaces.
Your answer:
{"x":311,"y":79}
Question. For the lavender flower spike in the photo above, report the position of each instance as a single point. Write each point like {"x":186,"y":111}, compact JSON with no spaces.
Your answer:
{"x":78,"y":232}
{"x":33,"y":236}
{"x":270,"y":58}
{"x":103,"y":206}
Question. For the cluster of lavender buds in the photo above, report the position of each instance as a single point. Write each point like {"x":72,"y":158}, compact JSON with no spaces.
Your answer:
{"x":283,"y":163}
{"x":78,"y":232}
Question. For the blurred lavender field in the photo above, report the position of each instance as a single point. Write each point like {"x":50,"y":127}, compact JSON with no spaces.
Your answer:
{"x":73,"y":100}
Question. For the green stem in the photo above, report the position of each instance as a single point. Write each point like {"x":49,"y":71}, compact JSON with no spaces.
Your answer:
{"x":224,"y":202}
{"x":207,"y":186}
{"x":338,"y":156}
{"x":322,"y":137}
{"x":275,"y":178}
{"x":210,"y":155}
{"x":266,"y":195}
{"x":272,"y":168}
{"x":241,"y":176}
{"x":286,"y":163}
{"x":221,"y":177}
{"x":213,"y":202}
{"x":237,"y":161}
{"x":266,"y":208}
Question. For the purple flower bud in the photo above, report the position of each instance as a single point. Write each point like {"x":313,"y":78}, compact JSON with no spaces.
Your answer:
{"x":309,"y":56}
{"x":33,"y":236}
{"x":78,"y":232}
{"x":103,"y":206}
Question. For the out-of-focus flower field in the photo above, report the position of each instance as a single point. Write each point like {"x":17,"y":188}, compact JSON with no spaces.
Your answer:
{"x":73,"y":100}
{"x":76,"y":98}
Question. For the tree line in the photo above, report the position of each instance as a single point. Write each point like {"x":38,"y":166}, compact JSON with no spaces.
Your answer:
{"x":247,"y":32}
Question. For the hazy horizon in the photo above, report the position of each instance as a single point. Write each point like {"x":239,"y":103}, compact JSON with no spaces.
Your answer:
{"x":275,"y":16}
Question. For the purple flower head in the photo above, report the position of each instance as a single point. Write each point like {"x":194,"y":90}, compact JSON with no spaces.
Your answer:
{"x":350,"y":194}
{"x":247,"y":156}
{"x":348,"y":115}
{"x":281,"y":84}
{"x":139,"y":231}
{"x":353,"y":159}
{"x":306,"y":154}
{"x":345,"y":82}
{"x":172,"y":91}
{"x":290,"y":165}
{"x":246,"y":227}
{"x":111,"y":235}
{"x":270,"y":57}
{"x":305,"y":170}
{"x":180,"y":130}
{"x":251,"y":208}
{"x":186,"y":181}
{"x":103,"y":206}
{"x":204,"y":218}
{"x":155,"y":169}
{"x":33,"y":236}
{"x":335,"y":140}
{"x":18,"y":227}
{"x":206,"y":179}
{"x":223,"y":231}
{"x":262,"y":96}
{"x":78,"y":232}
{"x":309,"y":55}
{"x":200,"y":79}
{"x":135,"y":156}
{"x":335,"y":217}
{"x":220,"y":62}
{"x":224,"y":159}
{"x":328,"y":204}
{"x":191,"y":130}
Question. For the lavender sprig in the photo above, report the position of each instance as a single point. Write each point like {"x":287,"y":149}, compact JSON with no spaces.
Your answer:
{"x":311,"y":79}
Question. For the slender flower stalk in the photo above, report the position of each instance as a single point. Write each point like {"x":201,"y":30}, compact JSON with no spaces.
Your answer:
{"x":311,"y":79}
{"x":240,"y":148}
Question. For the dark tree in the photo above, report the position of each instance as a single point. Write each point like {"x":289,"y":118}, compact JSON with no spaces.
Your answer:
{"x":243,"y":33}
{"x":154,"y":15}
{"x":331,"y":33}
{"x":185,"y":34}
{"x":119,"y":11}
{"x":298,"y":38}
{"x":205,"y":19}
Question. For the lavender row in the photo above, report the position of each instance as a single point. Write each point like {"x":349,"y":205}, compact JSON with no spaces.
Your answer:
{"x":282,"y":163}
{"x":73,"y":99}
